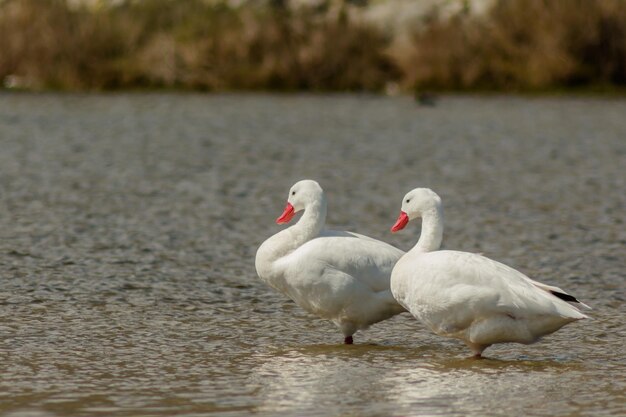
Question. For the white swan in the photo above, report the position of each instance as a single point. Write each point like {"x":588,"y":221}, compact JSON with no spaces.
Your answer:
{"x":339,"y":276}
{"x":468,"y":296}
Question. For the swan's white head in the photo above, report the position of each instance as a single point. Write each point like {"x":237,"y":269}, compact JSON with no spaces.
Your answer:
{"x":415,"y":204}
{"x":301,"y":194}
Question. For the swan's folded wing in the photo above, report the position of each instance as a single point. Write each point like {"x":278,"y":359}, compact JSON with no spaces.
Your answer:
{"x":368,"y":261}
{"x":492,"y":286}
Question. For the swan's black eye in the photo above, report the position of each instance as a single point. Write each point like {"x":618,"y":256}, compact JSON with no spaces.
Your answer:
{"x":293,"y":193}
{"x":408,"y":200}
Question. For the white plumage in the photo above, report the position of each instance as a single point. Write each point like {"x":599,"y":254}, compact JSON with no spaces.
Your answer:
{"x":468,"y":296}
{"x":339,"y":276}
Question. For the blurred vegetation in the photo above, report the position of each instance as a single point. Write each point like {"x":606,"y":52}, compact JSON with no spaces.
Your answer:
{"x":187,"y":44}
{"x":523,"y":45}
{"x":519,"y":45}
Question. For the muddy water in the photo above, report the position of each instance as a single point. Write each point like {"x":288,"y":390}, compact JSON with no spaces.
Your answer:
{"x":129,"y":224}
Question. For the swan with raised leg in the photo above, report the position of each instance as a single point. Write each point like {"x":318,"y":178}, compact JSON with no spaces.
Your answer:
{"x":468,"y":296}
{"x":339,"y":276}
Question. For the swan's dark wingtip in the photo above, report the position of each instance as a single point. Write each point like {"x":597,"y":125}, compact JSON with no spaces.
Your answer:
{"x":565,"y":297}
{"x":569,"y":298}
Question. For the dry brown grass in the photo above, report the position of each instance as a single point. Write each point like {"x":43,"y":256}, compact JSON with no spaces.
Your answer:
{"x":48,"y":45}
{"x":187,"y":44}
{"x":523,"y":45}
{"x":519,"y":45}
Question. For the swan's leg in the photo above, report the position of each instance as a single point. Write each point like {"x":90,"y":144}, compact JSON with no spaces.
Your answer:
{"x":348,"y":329}
{"x":477,"y":349}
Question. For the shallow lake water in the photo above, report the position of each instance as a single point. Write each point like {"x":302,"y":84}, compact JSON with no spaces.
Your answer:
{"x":129,"y":225}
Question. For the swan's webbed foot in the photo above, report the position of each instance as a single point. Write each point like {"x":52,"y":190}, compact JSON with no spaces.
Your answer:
{"x":348,"y":340}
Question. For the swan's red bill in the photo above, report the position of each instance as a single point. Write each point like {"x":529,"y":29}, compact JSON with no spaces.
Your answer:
{"x":287,"y":215}
{"x":402,"y":221}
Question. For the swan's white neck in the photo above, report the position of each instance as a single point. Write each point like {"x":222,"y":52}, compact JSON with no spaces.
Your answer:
{"x":310,"y":224}
{"x":308,"y":227}
{"x":432,"y":231}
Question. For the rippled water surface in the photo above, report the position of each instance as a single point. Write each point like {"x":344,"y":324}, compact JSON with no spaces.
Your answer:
{"x":129,"y":224}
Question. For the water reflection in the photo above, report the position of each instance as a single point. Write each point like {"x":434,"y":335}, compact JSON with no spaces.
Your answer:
{"x":129,"y":223}
{"x":322,"y":377}
{"x":418,"y":381}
